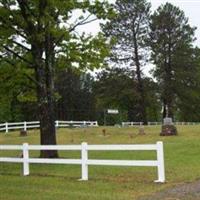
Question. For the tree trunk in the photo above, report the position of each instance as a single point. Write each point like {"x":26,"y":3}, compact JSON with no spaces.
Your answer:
{"x":168,"y":100}
{"x":46,"y":104}
{"x":140,"y":87}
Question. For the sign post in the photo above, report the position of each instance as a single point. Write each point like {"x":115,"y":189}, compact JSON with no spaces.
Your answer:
{"x":111,"y":112}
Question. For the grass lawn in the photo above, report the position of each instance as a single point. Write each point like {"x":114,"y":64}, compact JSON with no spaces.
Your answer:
{"x":60,"y":182}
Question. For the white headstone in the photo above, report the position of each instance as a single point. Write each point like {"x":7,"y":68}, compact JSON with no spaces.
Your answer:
{"x":168,"y":121}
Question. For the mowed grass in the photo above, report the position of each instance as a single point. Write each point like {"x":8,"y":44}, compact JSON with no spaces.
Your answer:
{"x":60,"y":182}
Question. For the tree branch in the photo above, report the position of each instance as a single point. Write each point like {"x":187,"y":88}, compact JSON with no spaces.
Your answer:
{"x":32,"y":79}
{"x":6,"y":25}
{"x":80,"y":23}
{"x":17,"y":55}
{"x":14,"y":65}
{"x":19,"y":44}
{"x":8,"y":61}
{"x":25,"y":15}
{"x":83,"y":22}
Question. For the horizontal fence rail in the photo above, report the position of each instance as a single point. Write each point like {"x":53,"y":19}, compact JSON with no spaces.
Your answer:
{"x":128,"y":124}
{"x":84,"y":161}
{"x":36,"y":124}
{"x":132,"y":123}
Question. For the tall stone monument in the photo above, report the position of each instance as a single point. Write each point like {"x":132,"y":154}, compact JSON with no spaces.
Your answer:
{"x":168,"y":128}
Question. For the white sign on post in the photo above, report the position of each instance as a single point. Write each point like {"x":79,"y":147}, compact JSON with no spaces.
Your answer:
{"x":113,"y":111}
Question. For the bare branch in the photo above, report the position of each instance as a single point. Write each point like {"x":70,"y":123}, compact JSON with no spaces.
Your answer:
{"x":82,"y":22}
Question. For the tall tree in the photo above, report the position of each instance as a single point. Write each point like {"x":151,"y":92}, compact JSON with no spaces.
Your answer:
{"x":171,"y":40}
{"x":38,"y":32}
{"x":129,"y":29}
{"x":189,"y":87}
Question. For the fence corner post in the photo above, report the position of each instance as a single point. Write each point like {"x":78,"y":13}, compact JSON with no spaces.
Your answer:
{"x":25,"y":159}
{"x":84,"y":159}
{"x":160,"y":160}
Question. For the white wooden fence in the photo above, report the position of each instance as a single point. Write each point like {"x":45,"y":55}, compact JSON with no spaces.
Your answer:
{"x":36,"y":124}
{"x":126,"y":124}
{"x":132,"y":124}
{"x":85,"y":161}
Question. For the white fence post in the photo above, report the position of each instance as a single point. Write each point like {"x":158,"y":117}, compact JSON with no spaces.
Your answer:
{"x":160,"y":159}
{"x":25,"y":159}
{"x":6,"y":126}
{"x":56,"y":123}
{"x":84,"y":158}
{"x":25,"y":126}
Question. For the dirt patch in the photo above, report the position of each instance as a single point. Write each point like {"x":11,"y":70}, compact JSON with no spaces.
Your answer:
{"x":187,"y":191}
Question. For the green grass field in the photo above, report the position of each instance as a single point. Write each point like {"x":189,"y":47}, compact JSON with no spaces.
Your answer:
{"x":60,"y":182}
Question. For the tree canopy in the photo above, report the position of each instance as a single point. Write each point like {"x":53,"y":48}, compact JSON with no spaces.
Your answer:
{"x":171,"y":40}
{"x":41,"y":35}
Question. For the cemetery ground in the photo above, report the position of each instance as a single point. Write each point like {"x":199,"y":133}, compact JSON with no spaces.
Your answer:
{"x":60,"y":182}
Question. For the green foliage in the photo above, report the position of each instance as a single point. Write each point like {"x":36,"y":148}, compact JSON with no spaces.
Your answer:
{"x":58,"y":20}
{"x":76,"y":100}
{"x":171,"y":40}
{"x":128,"y":30}
{"x":116,"y":88}
{"x":37,"y":37}
{"x":188,"y":89}
{"x":15,"y":87}
{"x":51,"y":26}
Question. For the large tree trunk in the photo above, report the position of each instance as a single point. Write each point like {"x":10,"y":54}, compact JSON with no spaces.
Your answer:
{"x":46,"y":105}
{"x":47,"y":127}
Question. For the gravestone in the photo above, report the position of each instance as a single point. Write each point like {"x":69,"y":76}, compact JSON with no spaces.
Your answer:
{"x":141,"y":130}
{"x":23,"y":133}
{"x":168,"y":127}
{"x":168,"y":121}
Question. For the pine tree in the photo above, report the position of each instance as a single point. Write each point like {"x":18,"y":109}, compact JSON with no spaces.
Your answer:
{"x":171,"y":41}
{"x":129,"y":30}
